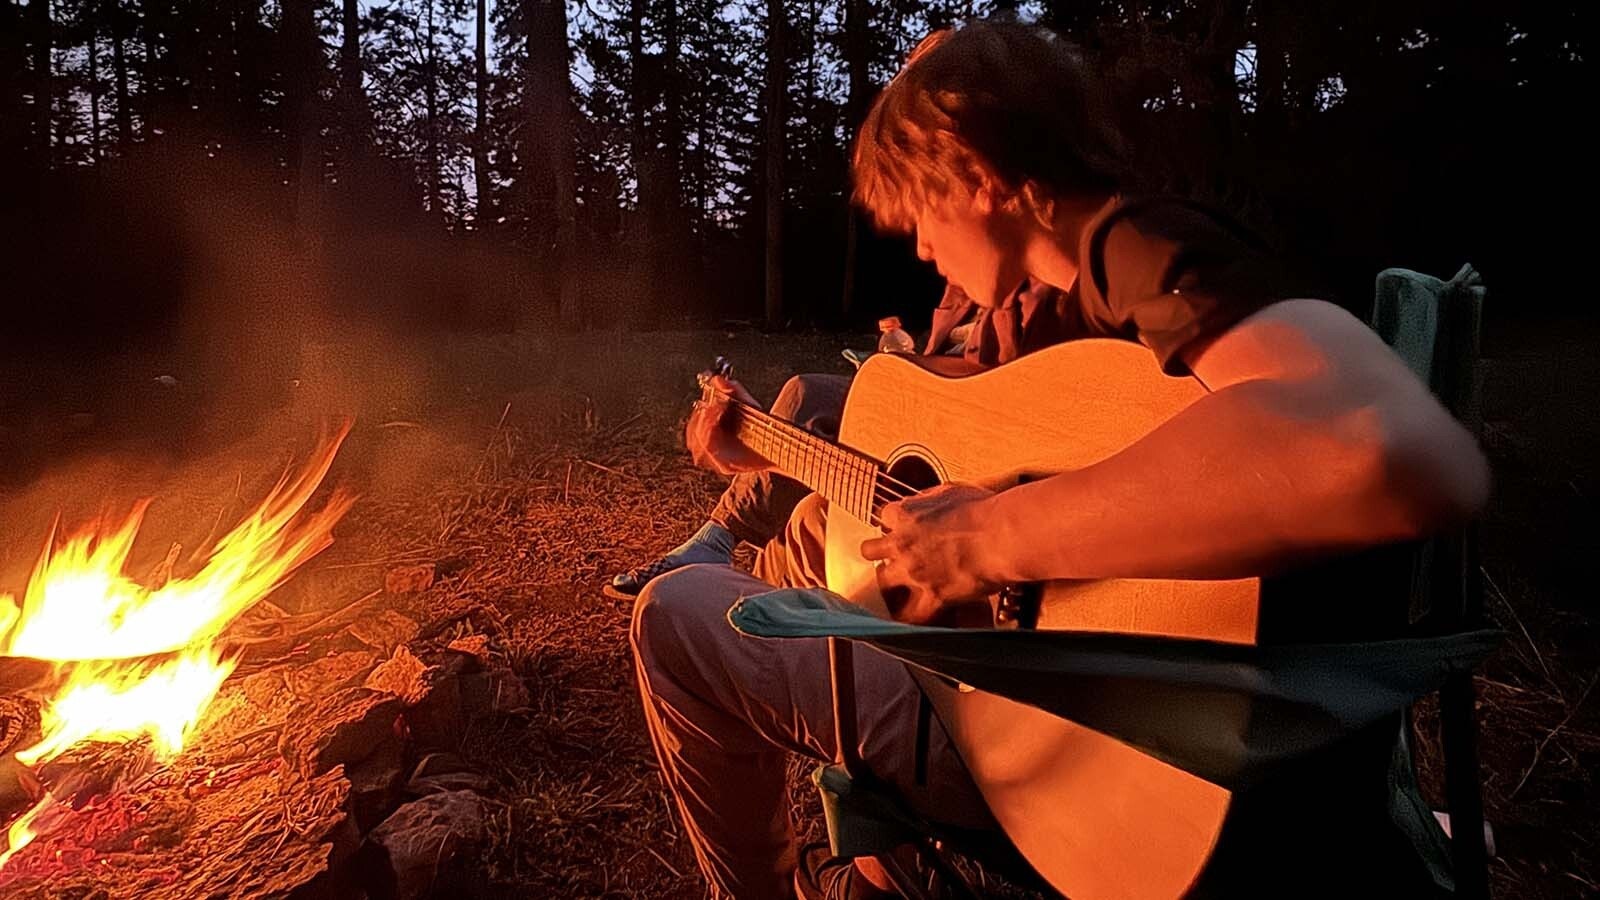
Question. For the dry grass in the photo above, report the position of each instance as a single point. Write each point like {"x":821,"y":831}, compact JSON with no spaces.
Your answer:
{"x":543,"y":507}
{"x":530,"y":471}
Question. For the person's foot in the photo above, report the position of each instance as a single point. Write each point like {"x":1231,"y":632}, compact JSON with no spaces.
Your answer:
{"x":711,"y":544}
{"x":820,"y":875}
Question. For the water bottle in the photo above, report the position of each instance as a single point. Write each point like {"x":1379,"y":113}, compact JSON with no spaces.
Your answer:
{"x":892,"y":338}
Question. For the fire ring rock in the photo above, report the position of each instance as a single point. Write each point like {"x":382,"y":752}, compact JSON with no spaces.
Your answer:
{"x":431,"y":844}
{"x":344,"y":727}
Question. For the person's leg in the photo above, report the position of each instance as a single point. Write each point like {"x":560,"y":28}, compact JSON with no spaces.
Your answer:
{"x":755,"y":505}
{"x":725,"y":709}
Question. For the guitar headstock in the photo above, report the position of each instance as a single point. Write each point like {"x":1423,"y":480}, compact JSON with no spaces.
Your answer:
{"x":719,"y":366}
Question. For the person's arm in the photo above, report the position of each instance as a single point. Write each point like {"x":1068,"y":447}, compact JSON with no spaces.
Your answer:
{"x":1314,"y":438}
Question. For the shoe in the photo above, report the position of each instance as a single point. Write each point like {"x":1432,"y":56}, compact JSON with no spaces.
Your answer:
{"x":711,"y":544}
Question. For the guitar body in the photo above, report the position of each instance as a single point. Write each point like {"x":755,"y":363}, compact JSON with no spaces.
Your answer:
{"x":1095,"y":817}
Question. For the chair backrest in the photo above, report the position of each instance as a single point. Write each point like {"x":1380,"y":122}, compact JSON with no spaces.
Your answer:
{"x":1436,"y":326}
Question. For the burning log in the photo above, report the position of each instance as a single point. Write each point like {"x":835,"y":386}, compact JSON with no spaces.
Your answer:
{"x":311,"y":773}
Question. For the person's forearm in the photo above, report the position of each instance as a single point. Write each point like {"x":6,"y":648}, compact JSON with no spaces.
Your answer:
{"x":1246,"y":481}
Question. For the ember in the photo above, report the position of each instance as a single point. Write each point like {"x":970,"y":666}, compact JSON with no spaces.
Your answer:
{"x":135,"y":660}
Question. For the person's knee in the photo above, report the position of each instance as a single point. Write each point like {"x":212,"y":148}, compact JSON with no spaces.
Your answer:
{"x":811,"y":512}
{"x":791,"y":399}
{"x":663,"y":608}
{"x":814,"y":401}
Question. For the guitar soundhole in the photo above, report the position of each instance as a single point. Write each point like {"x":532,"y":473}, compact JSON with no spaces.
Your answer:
{"x":908,"y":475}
{"x":912,"y":474}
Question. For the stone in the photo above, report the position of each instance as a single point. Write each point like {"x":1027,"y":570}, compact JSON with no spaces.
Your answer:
{"x":408,"y":579}
{"x":431,"y":845}
{"x":321,"y":677}
{"x":402,"y":675}
{"x":376,"y":783}
{"x":495,"y":691}
{"x":344,"y":727}
{"x":440,"y":772}
{"x":385,"y":631}
{"x":473,"y":645}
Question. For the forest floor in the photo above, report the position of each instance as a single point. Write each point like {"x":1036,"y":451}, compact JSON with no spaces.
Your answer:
{"x":537,"y":467}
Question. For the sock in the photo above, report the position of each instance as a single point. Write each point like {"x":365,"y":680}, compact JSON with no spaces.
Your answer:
{"x":711,"y":544}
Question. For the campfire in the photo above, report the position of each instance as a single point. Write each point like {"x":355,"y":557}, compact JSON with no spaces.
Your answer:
{"x":134,"y":659}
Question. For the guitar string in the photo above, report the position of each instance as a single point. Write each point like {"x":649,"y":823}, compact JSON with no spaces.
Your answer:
{"x":883,"y":493}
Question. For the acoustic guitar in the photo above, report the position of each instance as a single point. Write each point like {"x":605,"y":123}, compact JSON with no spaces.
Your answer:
{"x":1098,"y":819}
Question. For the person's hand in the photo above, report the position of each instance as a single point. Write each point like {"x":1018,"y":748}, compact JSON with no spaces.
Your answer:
{"x":937,"y":551}
{"x":709,"y":434}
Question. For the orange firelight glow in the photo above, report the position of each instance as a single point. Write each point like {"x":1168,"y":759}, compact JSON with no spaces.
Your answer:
{"x":133,"y":660}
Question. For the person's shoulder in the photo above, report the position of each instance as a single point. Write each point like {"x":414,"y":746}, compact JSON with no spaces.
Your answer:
{"x":1167,"y":218}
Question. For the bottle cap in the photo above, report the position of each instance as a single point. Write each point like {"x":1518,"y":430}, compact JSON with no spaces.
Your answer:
{"x":888,"y":323}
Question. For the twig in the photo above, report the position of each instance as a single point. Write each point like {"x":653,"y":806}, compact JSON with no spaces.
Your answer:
{"x":1553,"y":732}
{"x":1523,"y":628}
{"x":607,"y":469}
{"x":490,"y":445}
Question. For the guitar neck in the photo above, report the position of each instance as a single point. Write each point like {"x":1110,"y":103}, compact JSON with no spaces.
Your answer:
{"x":845,"y":478}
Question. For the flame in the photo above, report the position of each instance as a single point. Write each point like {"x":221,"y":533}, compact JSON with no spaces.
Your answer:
{"x":136,"y":660}
{"x":23,"y":830}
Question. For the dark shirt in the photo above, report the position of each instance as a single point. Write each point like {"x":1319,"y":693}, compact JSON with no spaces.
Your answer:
{"x":1175,"y":276}
{"x":1165,"y":272}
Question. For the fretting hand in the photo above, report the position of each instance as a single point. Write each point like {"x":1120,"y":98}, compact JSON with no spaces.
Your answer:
{"x":712,"y":444}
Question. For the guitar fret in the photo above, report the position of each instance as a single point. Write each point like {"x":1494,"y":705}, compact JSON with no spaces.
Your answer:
{"x":838,"y":473}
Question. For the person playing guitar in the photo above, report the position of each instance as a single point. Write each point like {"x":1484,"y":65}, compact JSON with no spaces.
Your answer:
{"x":1308,"y":453}
{"x":756,"y":504}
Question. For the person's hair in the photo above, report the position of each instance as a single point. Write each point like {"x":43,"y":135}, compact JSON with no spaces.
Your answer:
{"x":1000,"y":105}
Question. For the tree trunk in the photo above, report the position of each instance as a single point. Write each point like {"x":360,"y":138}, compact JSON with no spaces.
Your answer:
{"x":856,"y":49}
{"x":352,"y":94}
{"x":1272,"y":73}
{"x":675,"y":240}
{"x":647,"y":168}
{"x":484,"y":205}
{"x":775,"y":150}
{"x":43,"y":83}
{"x":645,"y":171}
{"x":94,"y":87}
{"x":302,"y":149}
{"x":549,"y":170}
{"x":119,"y":66}
{"x":251,"y":43}
{"x":15,"y":118}
{"x":149,"y":81}
{"x":430,"y":74}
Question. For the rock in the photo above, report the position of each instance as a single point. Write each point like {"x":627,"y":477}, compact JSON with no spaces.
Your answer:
{"x":495,"y":691}
{"x":408,"y":579}
{"x":473,"y":645}
{"x":431,"y":845}
{"x":402,"y":675}
{"x":344,"y":727}
{"x":384,"y":631}
{"x":330,"y":673}
{"x":436,"y":720}
{"x":438,"y":773}
{"x":375,"y":784}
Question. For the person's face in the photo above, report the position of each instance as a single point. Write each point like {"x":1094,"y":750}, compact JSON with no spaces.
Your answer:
{"x":974,"y":246}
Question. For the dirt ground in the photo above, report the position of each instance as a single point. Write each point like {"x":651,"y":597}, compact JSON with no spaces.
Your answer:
{"x":536,"y":467}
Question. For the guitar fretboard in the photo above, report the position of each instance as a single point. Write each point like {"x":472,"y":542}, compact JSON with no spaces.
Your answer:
{"x":845,"y":478}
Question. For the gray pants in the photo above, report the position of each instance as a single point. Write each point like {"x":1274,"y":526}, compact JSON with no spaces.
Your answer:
{"x":725,"y":710}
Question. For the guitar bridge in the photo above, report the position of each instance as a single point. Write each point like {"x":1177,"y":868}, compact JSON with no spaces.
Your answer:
{"x":1017,"y":606}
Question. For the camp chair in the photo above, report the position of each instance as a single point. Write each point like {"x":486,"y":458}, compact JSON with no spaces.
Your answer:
{"x":1434,"y":326}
